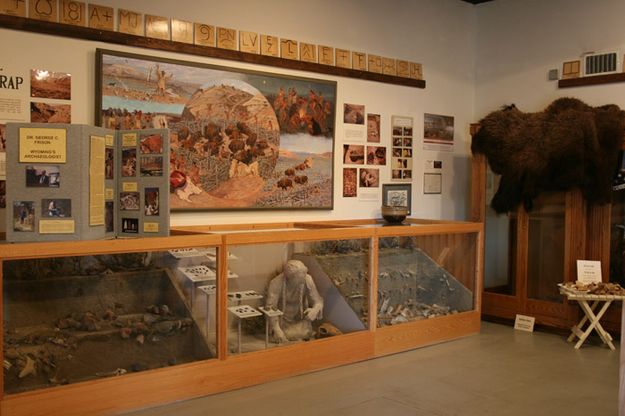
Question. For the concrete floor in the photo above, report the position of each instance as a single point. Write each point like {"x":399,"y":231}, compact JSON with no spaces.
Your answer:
{"x":499,"y":372}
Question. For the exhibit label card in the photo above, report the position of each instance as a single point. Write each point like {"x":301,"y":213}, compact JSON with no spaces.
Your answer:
{"x":129,"y":139}
{"x":589,"y":271}
{"x":96,"y":181}
{"x":150,"y":227}
{"x":56,"y":227}
{"x":130,"y":187}
{"x":109,"y":193}
{"x":109,"y":140}
{"x":524,"y":323}
{"x":38,"y":145}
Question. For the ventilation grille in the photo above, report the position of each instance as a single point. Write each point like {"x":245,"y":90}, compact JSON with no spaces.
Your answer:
{"x":600,"y":63}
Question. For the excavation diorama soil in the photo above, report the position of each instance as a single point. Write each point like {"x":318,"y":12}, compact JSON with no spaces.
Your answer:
{"x":101,"y":323}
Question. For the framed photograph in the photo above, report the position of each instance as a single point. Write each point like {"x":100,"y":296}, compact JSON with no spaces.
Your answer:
{"x":129,"y":201}
{"x":49,"y":84}
{"x":3,"y":193}
{"x":130,"y":225}
{"x":354,"y":154}
{"x":438,"y":129}
{"x":432,"y":183}
{"x":151,"y":205}
{"x":376,"y":155}
{"x":3,"y":140}
{"x":350,"y":186}
{"x":24,"y":216}
{"x":109,"y":163}
{"x":109,"y":216}
{"x":239,"y":139}
{"x":50,"y":113}
{"x":353,"y":114}
{"x":397,"y":195}
{"x":151,"y":166}
{"x":43,"y":176}
{"x":373,"y":128}
{"x":56,"y":208}
{"x":152,"y":143}
{"x":369,"y":178}
{"x":129,"y":163}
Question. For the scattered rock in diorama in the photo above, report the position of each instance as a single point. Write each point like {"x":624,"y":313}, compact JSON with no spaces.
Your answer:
{"x":411,"y":286}
{"x":75,"y":328}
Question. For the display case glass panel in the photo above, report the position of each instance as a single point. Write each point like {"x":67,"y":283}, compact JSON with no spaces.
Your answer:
{"x":499,"y":244}
{"x":72,"y":319}
{"x":422,"y":277}
{"x":546,"y":234}
{"x":292,"y":292}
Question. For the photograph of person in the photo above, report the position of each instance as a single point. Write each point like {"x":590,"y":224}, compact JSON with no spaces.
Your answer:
{"x":376,"y":155}
{"x":373,"y":128}
{"x":109,"y":163}
{"x":129,"y":162}
{"x":23,"y":216}
{"x":151,"y":206}
{"x":43,"y":176}
{"x":354,"y":114}
{"x":60,"y":208}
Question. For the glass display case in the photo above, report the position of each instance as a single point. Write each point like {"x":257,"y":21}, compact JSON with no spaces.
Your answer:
{"x":418,"y":277}
{"x":296,"y":291}
{"x":79,"y":318}
{"x":220,"y":307}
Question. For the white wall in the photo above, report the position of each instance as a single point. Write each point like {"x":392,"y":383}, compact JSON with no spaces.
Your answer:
{"x":518,"y":42}
{"x":440,"y":34}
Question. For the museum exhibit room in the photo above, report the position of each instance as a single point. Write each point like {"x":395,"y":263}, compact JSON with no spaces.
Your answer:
{"x":352,"y":207}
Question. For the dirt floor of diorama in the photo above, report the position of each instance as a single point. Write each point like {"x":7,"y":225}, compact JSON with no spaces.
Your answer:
{"x":66,"y":330}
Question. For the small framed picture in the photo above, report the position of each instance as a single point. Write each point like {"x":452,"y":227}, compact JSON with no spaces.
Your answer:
{"x":397,"y":195}
{"x":130,"y":225}
{"x":43,"y":176}
{"x":23,"y":216}
{"x":152,"y":143}
{"x":59,"y":208}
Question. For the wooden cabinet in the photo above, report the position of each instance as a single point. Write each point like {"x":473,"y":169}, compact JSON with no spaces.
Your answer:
{"x":528,"y":253}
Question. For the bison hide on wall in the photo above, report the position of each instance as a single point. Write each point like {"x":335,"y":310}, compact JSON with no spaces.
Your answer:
{"x":568,"y":145}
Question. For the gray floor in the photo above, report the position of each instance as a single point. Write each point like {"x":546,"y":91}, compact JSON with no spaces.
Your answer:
{"x":498,"y":372}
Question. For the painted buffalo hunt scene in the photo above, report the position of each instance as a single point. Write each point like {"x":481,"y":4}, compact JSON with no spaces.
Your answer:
{"x":239,"y":140}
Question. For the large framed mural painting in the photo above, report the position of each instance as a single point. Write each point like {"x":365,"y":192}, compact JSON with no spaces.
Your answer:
{"x":239,"y":139}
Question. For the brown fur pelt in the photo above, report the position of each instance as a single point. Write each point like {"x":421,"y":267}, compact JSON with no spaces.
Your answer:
{"x":568,"y":145}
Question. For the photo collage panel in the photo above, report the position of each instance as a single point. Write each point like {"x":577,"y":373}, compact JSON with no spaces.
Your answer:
{"x":402,"y":149}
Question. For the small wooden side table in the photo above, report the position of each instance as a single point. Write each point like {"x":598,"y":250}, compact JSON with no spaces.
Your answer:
{"x":601,"y":302}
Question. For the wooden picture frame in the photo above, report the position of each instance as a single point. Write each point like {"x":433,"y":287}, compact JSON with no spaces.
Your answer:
{"x":240,"y":139}
{"x":397,"y":194}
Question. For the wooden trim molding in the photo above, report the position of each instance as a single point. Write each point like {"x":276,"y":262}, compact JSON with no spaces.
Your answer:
{"x":593,"y":80}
